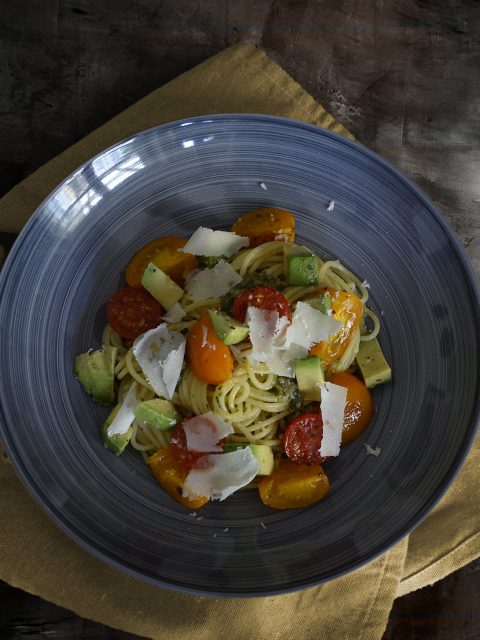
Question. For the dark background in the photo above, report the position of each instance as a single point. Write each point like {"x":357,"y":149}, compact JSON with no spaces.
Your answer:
{"x":402,"y":75}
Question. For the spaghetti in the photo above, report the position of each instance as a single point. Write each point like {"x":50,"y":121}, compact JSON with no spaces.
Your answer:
{"x":262,"y":402}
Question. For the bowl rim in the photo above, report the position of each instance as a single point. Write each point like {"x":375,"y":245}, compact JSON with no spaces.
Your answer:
{"x":472,"y":281}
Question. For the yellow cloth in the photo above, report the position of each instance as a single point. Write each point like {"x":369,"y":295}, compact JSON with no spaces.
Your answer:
{"x":39,"y":558}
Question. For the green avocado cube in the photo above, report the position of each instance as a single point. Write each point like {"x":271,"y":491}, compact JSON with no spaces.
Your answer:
{"x":96,"y":373}
{"x":301,"y":265}
{"x":310,"y":377}
{"x":161,"y":286}
{"x":263,"y":454}
{"x":227,"y":329}
{"x":118,"y":441}
{"x":372,"y":364}
{"x":158,"y":413}
{"x":321,"y":303}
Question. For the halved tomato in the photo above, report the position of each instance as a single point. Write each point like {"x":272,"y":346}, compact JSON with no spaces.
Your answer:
{"x":163,"y":252}
{"x":347,"y":309}
{"x":131,"y":312}
{"x":262,"y":297}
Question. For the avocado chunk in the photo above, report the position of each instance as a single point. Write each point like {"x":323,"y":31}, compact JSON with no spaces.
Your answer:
{"x":95,"y":370}
{"x":227,"y":329}
{"x":372,"y":364}
{"x":118,"y":441}
{"x":321,"y":303}
{"x":263,"y":454}
{"x":158,"y":413}
{"x":301,"y":265}
{"x":161,"y":286}
{"x":310,"y":377}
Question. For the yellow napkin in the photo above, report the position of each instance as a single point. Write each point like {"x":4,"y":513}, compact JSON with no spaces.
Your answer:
{"x":39,"y":558}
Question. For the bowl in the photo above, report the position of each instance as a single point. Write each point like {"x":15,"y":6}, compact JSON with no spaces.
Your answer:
{"x":207,"y":171}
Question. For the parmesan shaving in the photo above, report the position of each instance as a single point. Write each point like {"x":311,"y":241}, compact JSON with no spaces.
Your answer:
{"x":205,"y":431}
{"x":206,"y":242}
{"x":217,"y":476}
{"x":332,"y":408}
{"x":372,"y":451}
{"x":212,"y":283}
{"x":125,"y":416}
{"x":160,"y":354}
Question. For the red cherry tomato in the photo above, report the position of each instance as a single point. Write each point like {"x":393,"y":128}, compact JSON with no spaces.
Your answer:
{"x":131,"y":312}
{"x":182,"y":456}
{"x":263,"y":297}
{"x":302,"y":439}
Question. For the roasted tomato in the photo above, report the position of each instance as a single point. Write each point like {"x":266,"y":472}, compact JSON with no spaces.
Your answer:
{"x":263,"y":297}
{"x":302,"y":439}
{"x":347,"y":309}
{"x":171,"y":477}
{"x":264,"y":225}
{"x":292,"y":486}
{"x":359,"y":408}
{"x":163,"y":252}
{"x":184,"y":458}
{"x":131,"y":312}
{"x":208,"y":357}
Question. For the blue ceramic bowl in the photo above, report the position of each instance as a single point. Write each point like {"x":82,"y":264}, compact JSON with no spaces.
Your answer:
{"x":169,"y":180}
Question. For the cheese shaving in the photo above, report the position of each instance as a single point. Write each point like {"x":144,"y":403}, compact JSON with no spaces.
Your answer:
{"x":212,"y":283}
{"x":125,"y":416}
{"x":278,"y":343}
{"x":332,"y":408}
{"x":217,"y":476}
{"x":310,"y":326}
{"x":174,"y":314}
{"x":206,"y":242}
{"x":205,"y":431}
{"x":372,"y":451}
{"x":160,"y":354}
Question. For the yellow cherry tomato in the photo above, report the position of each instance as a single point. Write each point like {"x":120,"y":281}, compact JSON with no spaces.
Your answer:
{"x":293,"y":485}
{"x":171,"y":477}
{"x":208,"y":357}
{"x":163,"y":252}
{"x":359,"y":407}
{"x":264,"y":225}
{"x":347,"y":309}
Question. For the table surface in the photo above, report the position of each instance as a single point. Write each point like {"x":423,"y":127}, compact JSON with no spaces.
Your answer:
{"x":402,"y":75}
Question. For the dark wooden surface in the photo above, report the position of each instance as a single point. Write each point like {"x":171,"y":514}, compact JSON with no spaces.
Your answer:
{"x":403,"y":75}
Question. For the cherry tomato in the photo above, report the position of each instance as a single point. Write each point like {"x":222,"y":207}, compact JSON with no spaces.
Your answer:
{"x":359,"y":408}
{"x":178,"y":443}
{"x":263,"y":297}
{"x":171,"y":477}
{"x":131,"y":312}
{"x":163,"y":253}
{"x":302,"y":439}
{"x":347,"y":309}
{"x":264,"y":225}
{"x":208,"y":357}
{"x":292,"y":486}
